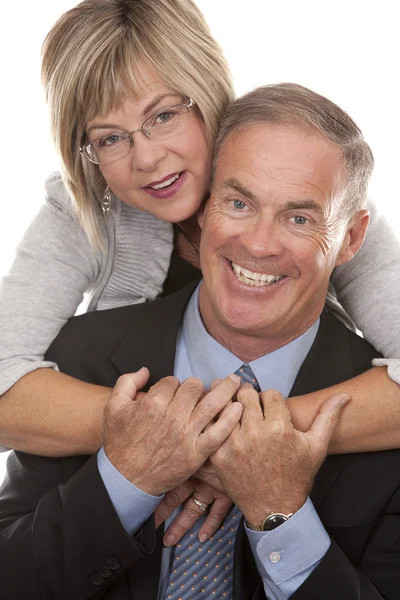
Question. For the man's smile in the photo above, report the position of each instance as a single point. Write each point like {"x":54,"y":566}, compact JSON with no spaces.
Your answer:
{"x":253,"y":278}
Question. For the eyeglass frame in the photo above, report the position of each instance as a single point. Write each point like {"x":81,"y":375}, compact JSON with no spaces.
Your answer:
{"x":83,"y":149}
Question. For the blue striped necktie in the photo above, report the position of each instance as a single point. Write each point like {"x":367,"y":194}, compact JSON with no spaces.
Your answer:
{"x":201,"y":571}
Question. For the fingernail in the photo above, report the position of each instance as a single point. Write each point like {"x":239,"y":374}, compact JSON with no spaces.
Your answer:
{"x":169,"y":540}
{"x":203,"y":537}
{"x":234,"y":378}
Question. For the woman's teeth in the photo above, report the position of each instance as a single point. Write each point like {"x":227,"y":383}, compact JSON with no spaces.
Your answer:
{"x":254,"y":279}
{"x":166,"y":183}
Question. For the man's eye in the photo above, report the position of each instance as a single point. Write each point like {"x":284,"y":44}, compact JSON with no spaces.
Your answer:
{"x":299,"y":220}
{"x":239,"y":204}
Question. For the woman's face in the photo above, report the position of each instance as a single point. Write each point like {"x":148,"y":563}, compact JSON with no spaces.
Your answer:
{"x":181,"y":161}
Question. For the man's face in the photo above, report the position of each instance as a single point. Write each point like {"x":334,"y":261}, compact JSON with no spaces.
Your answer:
{"x":273,"y":231}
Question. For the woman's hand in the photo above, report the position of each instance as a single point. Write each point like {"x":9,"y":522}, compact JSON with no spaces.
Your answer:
{"x":220,"y":505}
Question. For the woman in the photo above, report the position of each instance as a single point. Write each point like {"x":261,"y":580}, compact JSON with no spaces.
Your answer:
{"x":136,"y":90}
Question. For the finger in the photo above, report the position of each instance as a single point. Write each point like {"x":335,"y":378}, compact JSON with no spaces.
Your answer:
{"x":215,"y":383}
{"x":125,"y":391}
{"x":173,"y":499}
{"x":164,"y":390}
{"x":188,"y":516}
{"x":274,"y":406}
{"x":214,"y":402}
{"x":218,"y":511}
{"x":250,"y":400}
{"x":211,"y":439}
{"x":189,"y":394}
{"x":224,"y":411}
{"x":325,"y":422}
{"x":128,"y":385}
{"x":207,"y":474}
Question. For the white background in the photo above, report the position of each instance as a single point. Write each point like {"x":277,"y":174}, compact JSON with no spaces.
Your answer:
{"x":348,"y":50}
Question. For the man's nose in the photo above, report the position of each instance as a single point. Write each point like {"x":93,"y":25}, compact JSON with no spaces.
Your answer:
{"x":263,"y":237}
{"x":146,"y":152}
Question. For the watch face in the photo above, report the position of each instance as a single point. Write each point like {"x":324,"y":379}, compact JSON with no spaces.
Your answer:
{"x":273,"y":521}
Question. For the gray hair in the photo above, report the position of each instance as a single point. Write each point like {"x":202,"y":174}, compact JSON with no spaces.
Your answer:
{"x":292,"y":104}
{"x":93,"y":59}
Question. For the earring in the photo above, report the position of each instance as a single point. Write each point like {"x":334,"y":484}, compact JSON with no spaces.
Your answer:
{"x":106,"y":202}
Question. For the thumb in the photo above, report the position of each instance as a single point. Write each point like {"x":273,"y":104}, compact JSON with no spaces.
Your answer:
{"x":128,"y":385}
{"x":325,"y":422}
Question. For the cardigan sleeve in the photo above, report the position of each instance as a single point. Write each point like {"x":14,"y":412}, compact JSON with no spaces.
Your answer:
{"x":54,"y":265}
{"x":368,"y":287}
{"x":55,"y":269}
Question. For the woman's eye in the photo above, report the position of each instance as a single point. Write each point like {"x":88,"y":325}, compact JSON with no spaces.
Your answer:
{"x":164,"y":117}
{"x":109,"y":140}
{"x":299,"y":220}
{"x":239,"y":204}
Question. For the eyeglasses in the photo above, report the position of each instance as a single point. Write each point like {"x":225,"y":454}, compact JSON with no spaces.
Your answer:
{"x":161,"y":125}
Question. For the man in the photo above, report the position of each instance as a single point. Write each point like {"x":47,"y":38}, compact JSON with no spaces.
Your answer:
{"x":287,"y":206}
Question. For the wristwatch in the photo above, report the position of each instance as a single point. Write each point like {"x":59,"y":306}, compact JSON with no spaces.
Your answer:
{"x":271,"y":522}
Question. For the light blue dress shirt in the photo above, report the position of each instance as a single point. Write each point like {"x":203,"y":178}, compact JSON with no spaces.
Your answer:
{"x":286,"y":556}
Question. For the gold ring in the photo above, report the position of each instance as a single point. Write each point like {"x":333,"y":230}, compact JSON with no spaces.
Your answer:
{"x":202,"y":505}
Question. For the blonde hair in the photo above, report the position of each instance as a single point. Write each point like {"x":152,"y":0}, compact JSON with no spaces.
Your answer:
{"x":293,"y":104}
{"x":93,"y":59}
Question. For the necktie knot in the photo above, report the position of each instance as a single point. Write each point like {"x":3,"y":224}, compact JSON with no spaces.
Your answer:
{"x":246,"y":374}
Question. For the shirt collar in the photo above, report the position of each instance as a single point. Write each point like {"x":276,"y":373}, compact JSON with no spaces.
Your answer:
{"x":210,"y":360}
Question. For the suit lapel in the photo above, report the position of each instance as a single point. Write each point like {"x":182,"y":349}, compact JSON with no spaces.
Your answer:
{"x":155,"y":330}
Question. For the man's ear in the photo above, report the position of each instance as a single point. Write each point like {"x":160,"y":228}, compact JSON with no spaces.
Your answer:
{"x":354,"y":237}
{"x":201,"y":214}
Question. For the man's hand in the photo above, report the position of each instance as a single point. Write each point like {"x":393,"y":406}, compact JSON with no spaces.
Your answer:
{"x":266,"y":465}
{"x":220,"y":505}
{"x":159,"y":440}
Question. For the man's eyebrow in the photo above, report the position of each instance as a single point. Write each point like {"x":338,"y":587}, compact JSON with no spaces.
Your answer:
{"x":303,"y":205}
{"x":150,"y":106}
{"x":233,"y":183}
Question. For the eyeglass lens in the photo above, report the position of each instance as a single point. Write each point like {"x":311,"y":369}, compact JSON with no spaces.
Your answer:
{"x":116,"y":145}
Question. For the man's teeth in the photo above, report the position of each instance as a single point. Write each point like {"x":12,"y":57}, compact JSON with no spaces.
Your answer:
{"x":166,"y":183}
{"x":254,"y":279}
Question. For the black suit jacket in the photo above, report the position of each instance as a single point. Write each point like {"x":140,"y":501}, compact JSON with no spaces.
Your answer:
{"x":61,"y":538}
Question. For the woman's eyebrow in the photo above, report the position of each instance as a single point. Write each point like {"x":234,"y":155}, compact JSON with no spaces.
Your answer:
{"x":150,"y":106}
{"x":102,"y":126}
{"x":153,"y":103}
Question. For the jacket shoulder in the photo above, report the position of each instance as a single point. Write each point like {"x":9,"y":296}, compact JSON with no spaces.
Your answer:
{"x":83,"y":346}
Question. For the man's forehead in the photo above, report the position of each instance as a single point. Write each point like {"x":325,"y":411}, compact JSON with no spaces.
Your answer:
{"x":279,"y":156}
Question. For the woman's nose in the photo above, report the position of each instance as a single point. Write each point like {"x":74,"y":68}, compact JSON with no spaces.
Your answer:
{"x":146,"y":152}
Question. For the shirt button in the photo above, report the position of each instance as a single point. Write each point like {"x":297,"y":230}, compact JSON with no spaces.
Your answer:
{"x":97,"y":579}
{"x":274,"y":557}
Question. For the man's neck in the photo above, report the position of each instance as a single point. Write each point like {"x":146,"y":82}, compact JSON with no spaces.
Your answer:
{"x":200,"y":355}
{"x":251,"y":345}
